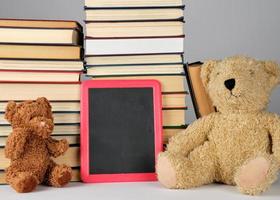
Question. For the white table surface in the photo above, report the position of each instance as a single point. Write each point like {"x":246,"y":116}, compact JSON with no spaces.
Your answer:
{"x":134,"y":191}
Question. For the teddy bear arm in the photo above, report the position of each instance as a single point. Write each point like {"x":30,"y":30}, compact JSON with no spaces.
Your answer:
{"x":15,"y":143}
{"x":273,"y":123}
{"x":57,"y":147}
{"x":195,"y":135}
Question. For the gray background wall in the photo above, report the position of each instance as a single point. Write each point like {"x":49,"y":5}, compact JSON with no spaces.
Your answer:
{"x":214,"y":28}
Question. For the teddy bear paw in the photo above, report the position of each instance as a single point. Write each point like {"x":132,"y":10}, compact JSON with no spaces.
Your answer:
{"x":64,"y":145}
{"x":65,"y":177}
{"x":24,"y":183}
{"x":166,"y":173}
{"x":253,"y":175}
{"x":62,"y":176}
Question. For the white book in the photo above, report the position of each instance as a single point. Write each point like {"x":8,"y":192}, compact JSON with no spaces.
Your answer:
{"x":134,"y":46}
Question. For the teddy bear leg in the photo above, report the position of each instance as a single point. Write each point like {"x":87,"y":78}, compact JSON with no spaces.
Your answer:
{"x":256,"y":175}
{"x":58,"y":175}
{"x":177,"y":171}
{"x":21,"y":182}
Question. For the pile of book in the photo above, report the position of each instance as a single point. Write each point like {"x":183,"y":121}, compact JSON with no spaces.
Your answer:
{"x":42,"y":59}
{"x":140,"y":39}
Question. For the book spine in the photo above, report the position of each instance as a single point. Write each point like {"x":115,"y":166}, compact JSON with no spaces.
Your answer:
{"x":139,"y":37}
{"x":38,"y":82}
{"x":57,"y":124}
{"x":42,"y":59}
{"x":146,"y":20}
{"x":123,"y":65}
{"x":175,"y":108}
{"x":191,"y":91}
{"x":128,"y":75}
{"x":39,"y":44}
{"x":136,"y":54}
{"x":42,"y":71}
{"x":135,"y":8}
{"x":53,"y":101}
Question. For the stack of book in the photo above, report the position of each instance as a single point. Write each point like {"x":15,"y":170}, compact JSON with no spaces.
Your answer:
{"x":141,"y":39}
{"x":42,"y":59}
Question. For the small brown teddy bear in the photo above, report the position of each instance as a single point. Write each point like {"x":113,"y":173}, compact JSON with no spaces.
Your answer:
{"x":239,"y":144}
{"x":30,"y":147}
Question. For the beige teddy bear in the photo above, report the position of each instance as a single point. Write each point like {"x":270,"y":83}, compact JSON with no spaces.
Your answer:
{"x":239,"y":144}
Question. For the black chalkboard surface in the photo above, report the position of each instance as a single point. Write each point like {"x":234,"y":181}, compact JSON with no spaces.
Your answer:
{"x":121,"y":130}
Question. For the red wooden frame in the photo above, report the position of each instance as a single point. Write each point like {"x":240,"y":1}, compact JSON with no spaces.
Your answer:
{"x":84,"y":152}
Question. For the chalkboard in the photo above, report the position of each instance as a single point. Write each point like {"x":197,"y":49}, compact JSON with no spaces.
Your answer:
{"x":121,"y":130}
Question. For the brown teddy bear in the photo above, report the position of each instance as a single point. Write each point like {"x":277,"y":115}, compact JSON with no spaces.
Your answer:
{"x":30,"y":147}
{"x":239,"y":144}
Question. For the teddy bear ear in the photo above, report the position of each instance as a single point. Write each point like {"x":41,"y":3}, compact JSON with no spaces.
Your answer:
{"x":273,"y":70}
{"x":10,"y":110}
{"x":43,"y":100}
{"x":206,"y":70}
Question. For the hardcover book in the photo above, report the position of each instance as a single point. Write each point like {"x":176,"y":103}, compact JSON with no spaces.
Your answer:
{"x":57,"y":106}
{"x":19,"y":91}
{"x":140,"y":59}
{"x":41,"y":65}
{"x":131,"y":4}
{"x":169,"y":84}
{"x":59,"y":118}
{"x":38,"y":76}
{"x":134,"y":46}
{"x":32,"y":51}
{"x":31,"y":23}
{"x":147,"y":14}
{"x":39,"y":36}
{"x":202,"y":102}
{"x":134,"y":29}
{"x":135,"y":70}
{"x":59,"y":130}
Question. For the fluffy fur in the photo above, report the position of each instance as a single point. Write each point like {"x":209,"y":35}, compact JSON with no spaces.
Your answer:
{"x":30,"y":147}
{"x":239,"y":144}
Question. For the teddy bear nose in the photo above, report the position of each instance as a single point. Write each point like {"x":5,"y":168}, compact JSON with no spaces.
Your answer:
{"x":230,"y":83}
